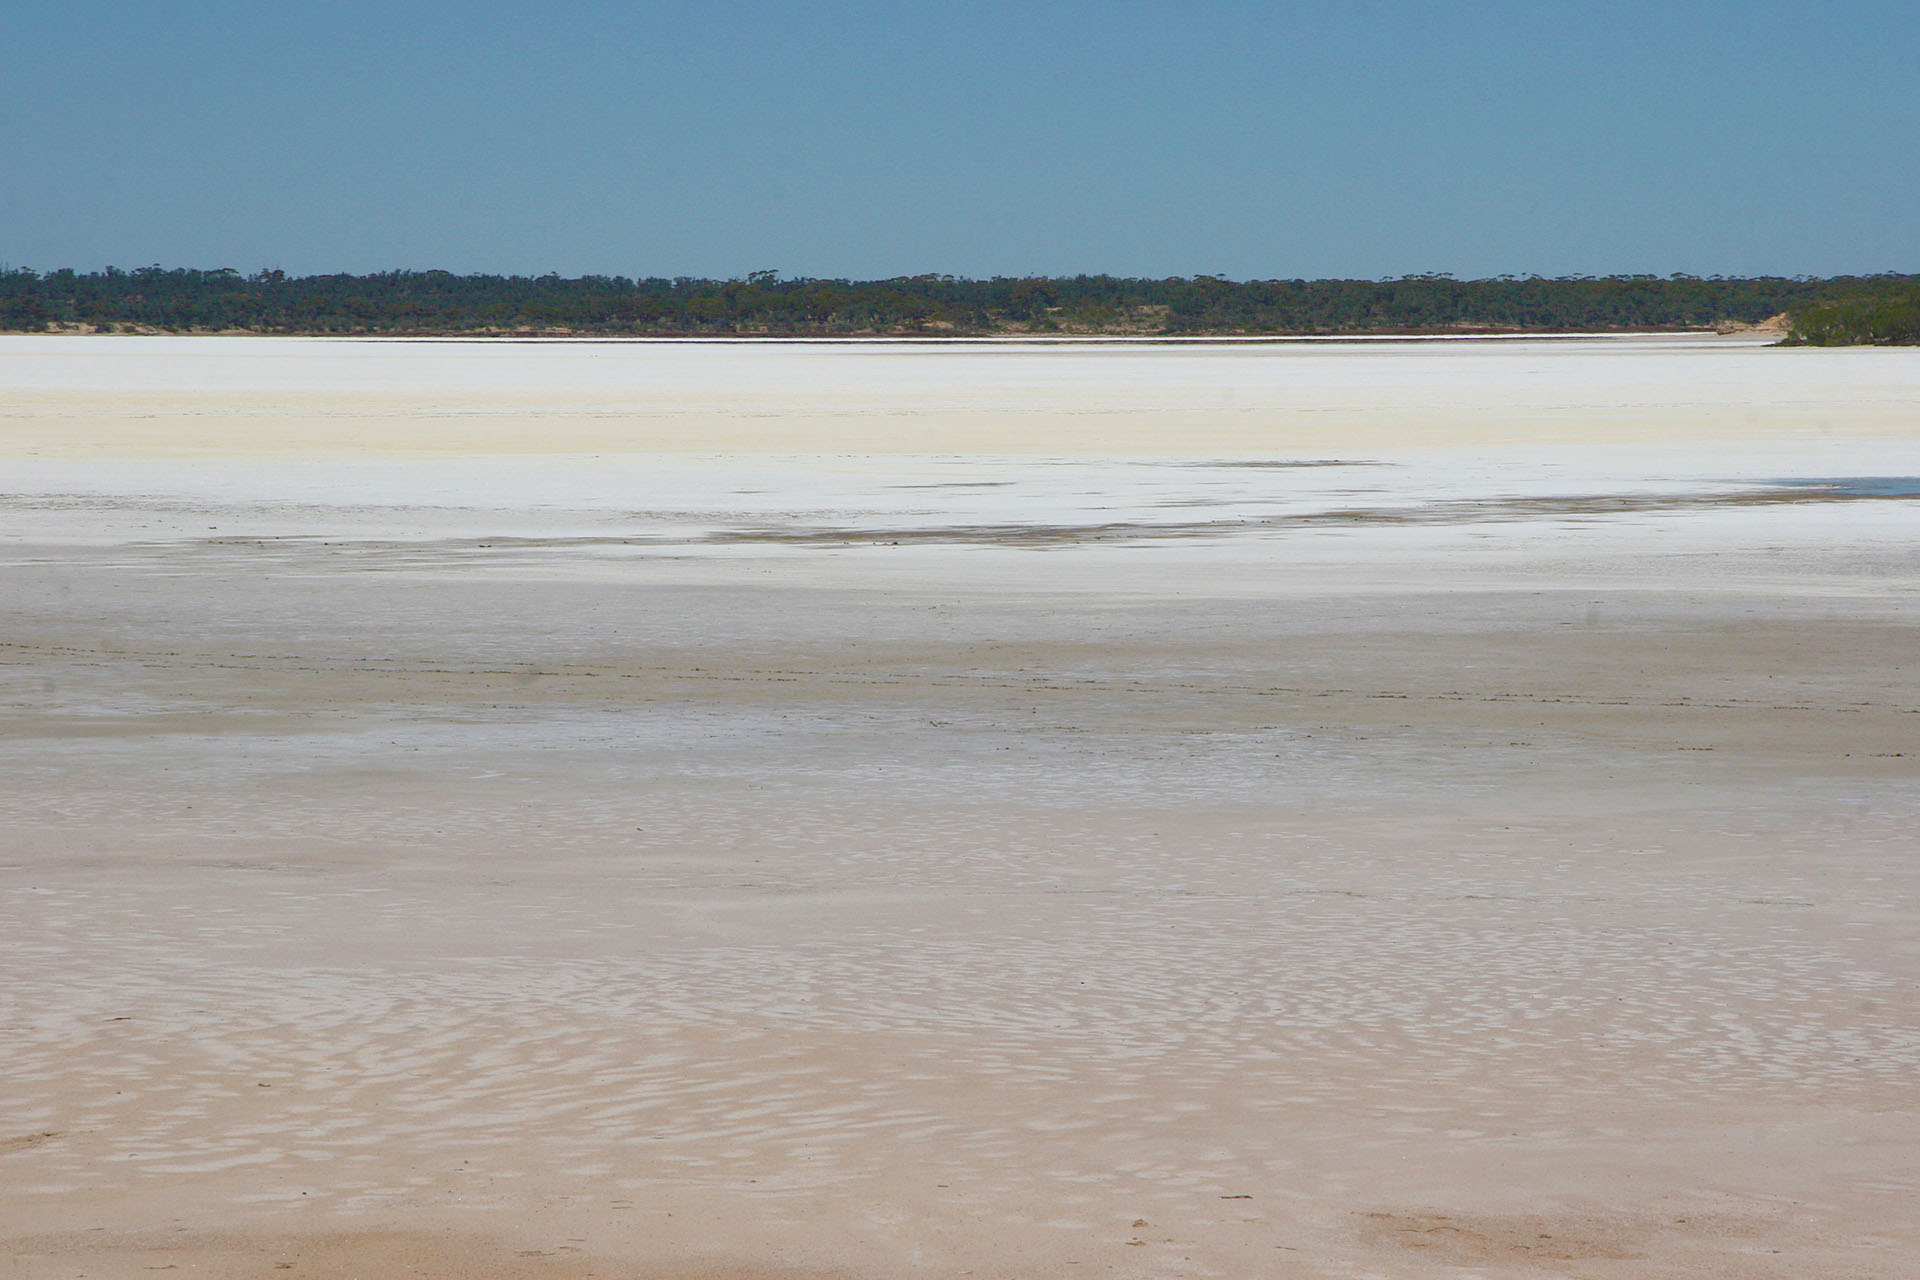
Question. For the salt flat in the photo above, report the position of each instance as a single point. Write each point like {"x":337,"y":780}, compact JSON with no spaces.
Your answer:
{"x":877,"y":810}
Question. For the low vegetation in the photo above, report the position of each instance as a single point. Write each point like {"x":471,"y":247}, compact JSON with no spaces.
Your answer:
{"x":1886,"y":317}
{"x":153,"y":299}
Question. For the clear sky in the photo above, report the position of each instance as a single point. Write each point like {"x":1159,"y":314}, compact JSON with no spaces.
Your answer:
{"x":1331,"y":138}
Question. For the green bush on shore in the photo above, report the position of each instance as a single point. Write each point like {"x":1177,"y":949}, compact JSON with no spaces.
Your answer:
{"x":1886,"y":321}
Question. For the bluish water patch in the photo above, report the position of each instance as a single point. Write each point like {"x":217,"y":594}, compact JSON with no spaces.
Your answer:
{"x":1860,"y":486}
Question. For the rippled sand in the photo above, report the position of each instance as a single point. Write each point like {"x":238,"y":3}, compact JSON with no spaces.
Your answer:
{"x":885,"y":812}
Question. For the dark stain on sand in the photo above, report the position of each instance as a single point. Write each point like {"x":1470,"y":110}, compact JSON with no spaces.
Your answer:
{"x":1568,"y":507}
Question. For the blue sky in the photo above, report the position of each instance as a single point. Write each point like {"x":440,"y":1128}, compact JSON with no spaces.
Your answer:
{"x":849,"y":139}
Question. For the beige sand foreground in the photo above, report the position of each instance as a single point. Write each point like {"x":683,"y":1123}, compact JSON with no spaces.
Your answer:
{"x":509,"y":879}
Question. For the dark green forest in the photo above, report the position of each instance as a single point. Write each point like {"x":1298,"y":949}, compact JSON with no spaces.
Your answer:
{"x":182,"y":300}
{"x":1886,"y":319}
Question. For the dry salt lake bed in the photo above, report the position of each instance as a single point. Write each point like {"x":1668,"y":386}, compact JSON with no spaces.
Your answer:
{"x":884,"y":810}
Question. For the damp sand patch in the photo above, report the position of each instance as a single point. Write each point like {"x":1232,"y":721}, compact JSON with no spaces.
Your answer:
{"x":1300,"y":464}
{"x":1041,"y":535}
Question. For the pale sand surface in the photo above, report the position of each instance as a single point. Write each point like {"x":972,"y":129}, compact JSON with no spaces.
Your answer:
{"x":973,"y":833}
{"x":188,"y":397}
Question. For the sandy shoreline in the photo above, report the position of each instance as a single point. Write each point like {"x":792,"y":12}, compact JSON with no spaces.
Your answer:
{"x":264,"y":397}
{"x":422,"y":864}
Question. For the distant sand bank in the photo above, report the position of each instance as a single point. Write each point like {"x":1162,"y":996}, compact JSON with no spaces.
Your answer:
{"x":195,"y":397}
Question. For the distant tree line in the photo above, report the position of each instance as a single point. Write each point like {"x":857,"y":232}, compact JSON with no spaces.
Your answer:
{"x":153,"y":299}
{"x":1885,"y":317}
